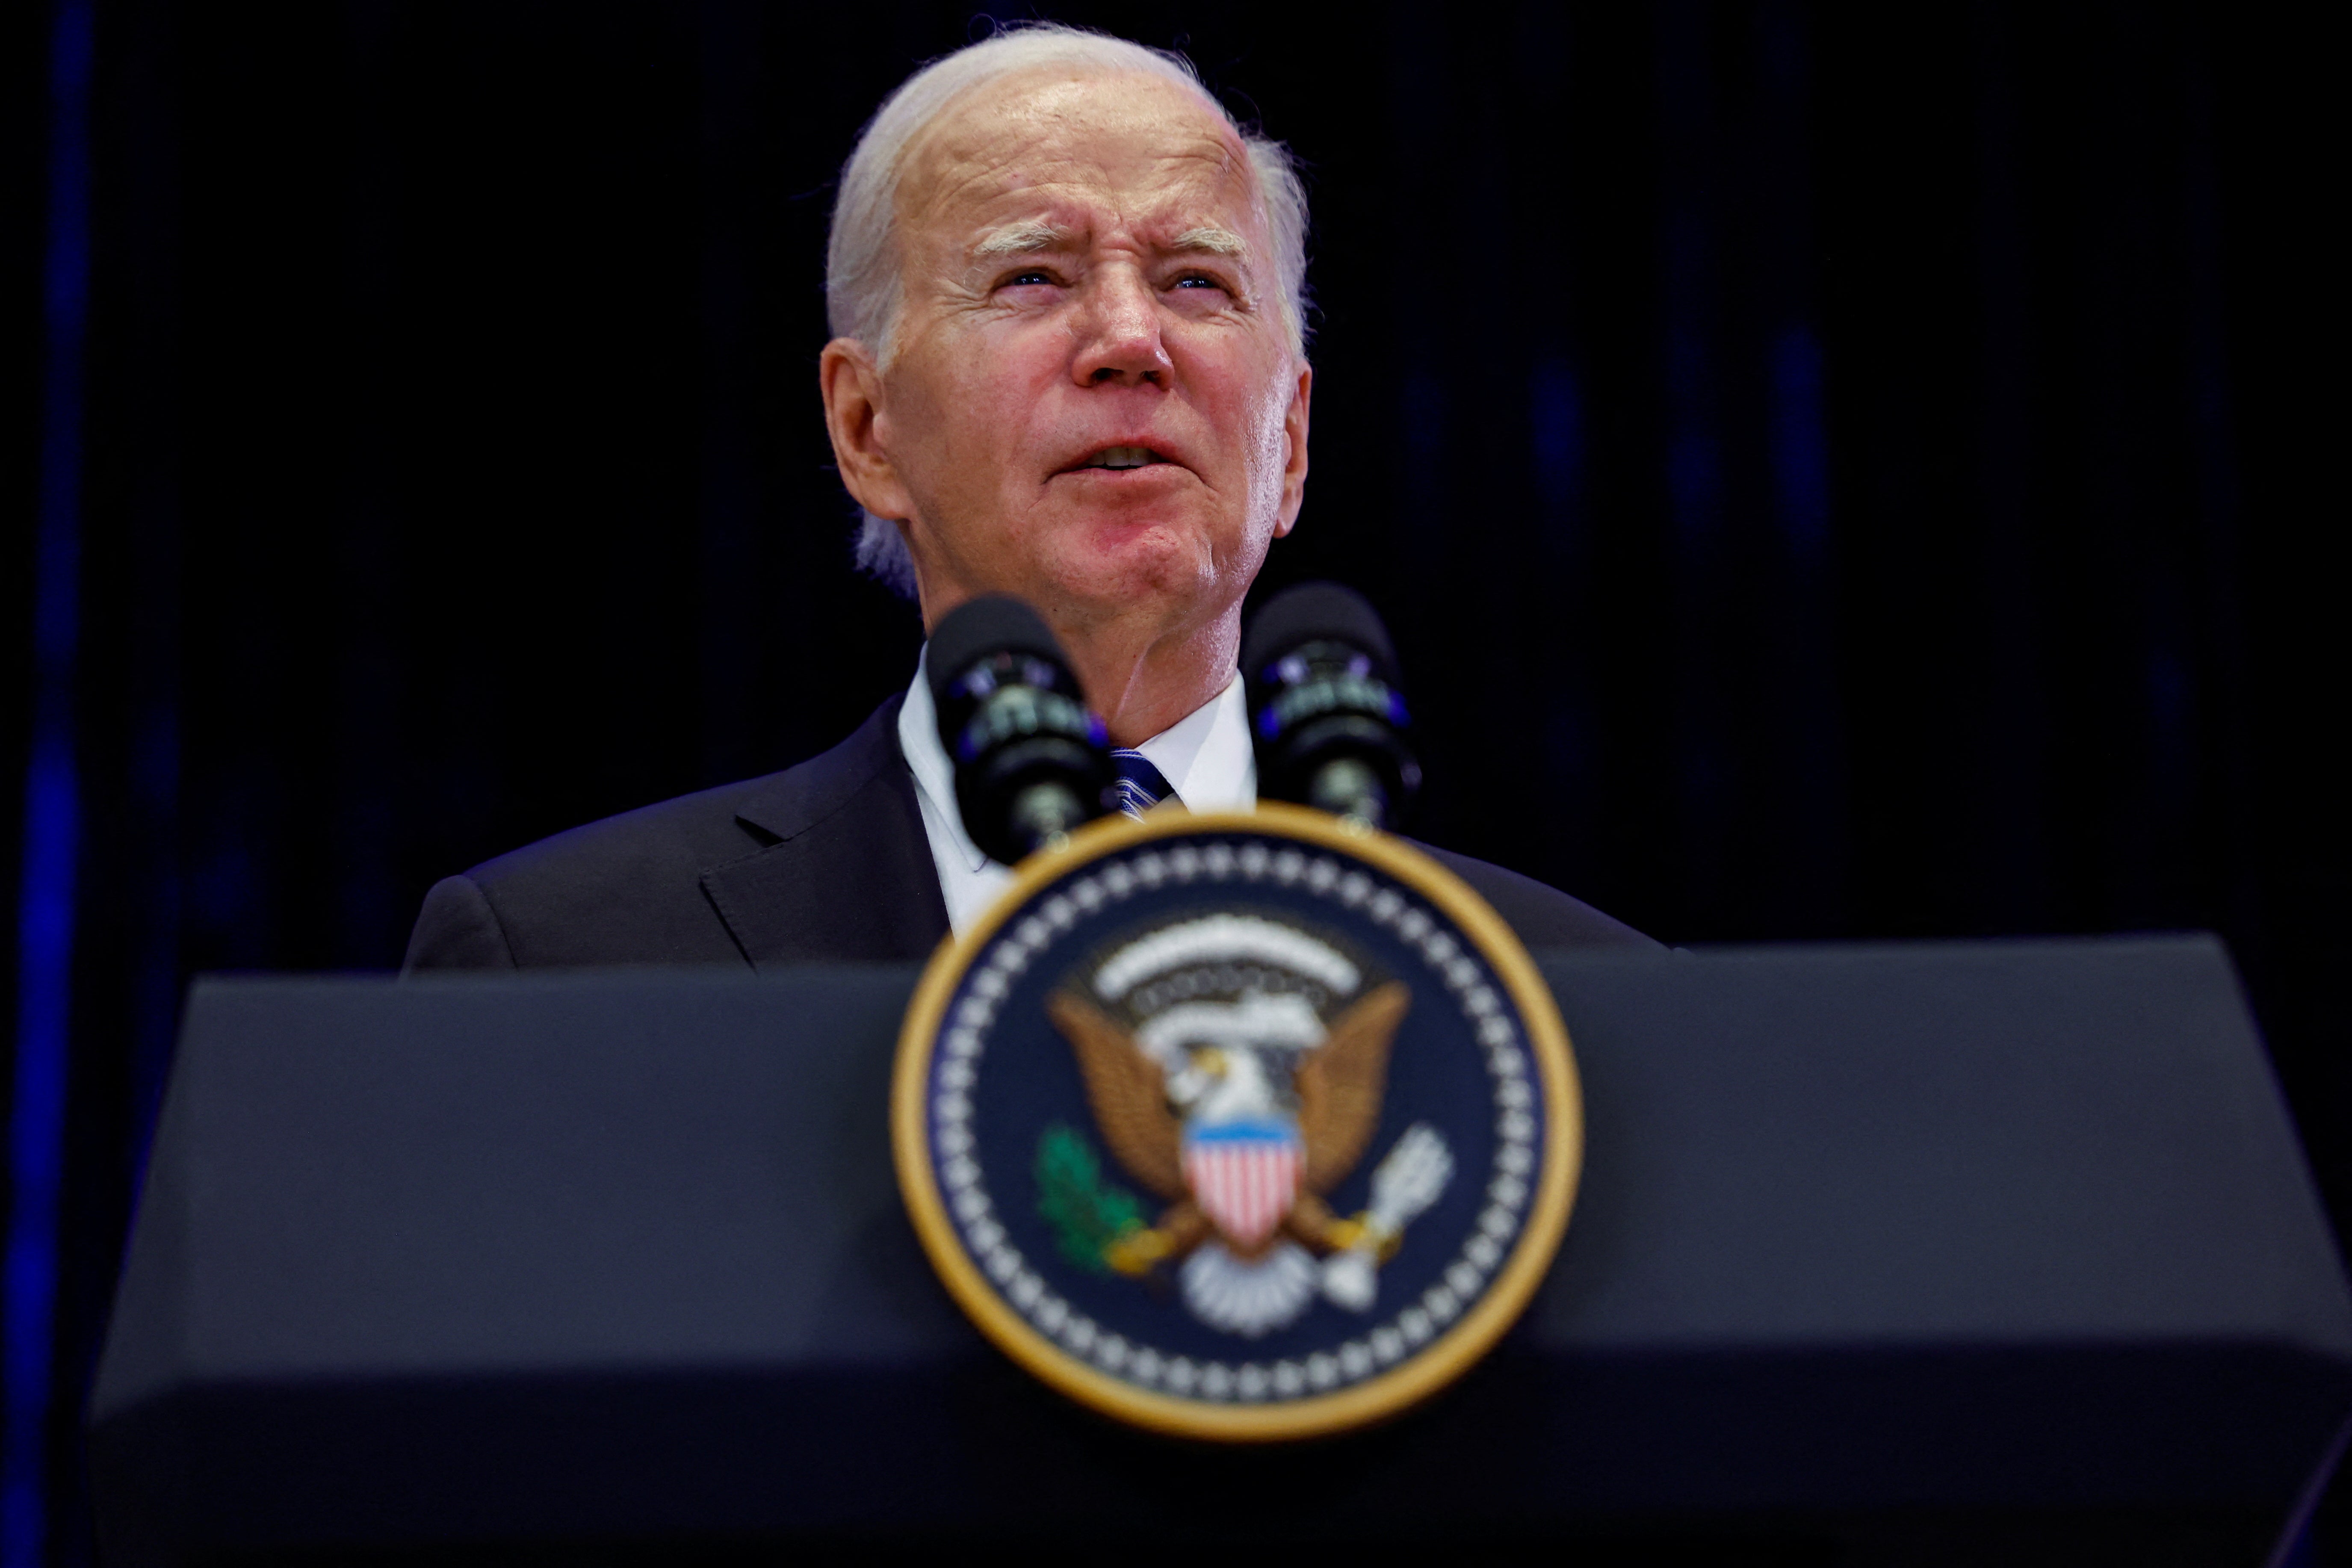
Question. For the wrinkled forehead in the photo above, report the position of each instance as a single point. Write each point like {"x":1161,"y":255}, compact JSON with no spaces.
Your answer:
{"x":1063,"y":148}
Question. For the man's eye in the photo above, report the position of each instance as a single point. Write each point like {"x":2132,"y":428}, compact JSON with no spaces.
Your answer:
{"x":1199,"y":281}
{"x":1019,"y":279}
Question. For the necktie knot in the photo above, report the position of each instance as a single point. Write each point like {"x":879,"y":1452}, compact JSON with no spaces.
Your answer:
{"x":1140,"y":786}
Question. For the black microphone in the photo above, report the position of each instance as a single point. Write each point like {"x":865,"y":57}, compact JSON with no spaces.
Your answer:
{"x":1031,"y":761}
{"x":1327,"y":715}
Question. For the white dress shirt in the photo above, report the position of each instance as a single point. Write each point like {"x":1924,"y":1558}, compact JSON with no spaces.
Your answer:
{"x":1205,"y":756}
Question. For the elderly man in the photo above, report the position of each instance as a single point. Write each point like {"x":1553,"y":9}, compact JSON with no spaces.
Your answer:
{"x":1070,"y":365}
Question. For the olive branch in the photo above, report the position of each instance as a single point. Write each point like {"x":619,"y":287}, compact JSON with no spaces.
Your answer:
{"x":1088,"y":1214}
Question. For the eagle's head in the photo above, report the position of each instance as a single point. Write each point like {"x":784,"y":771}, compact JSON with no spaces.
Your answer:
{"x":1230,"y":1082}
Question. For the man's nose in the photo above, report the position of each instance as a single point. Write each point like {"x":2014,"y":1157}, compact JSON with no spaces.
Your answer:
{"x":1121,"y":344}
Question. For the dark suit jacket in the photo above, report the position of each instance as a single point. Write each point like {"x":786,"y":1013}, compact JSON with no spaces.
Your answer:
{"x":825,"y":860}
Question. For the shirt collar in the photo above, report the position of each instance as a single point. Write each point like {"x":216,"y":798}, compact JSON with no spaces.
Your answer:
{"x":919,"y":737}
{"x":1205,"y":756}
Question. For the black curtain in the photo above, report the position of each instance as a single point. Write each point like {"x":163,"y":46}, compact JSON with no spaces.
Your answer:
{"x":1831,"y":472}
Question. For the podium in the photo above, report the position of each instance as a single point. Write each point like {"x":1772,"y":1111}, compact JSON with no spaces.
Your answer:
{"x":1989,"y":1252}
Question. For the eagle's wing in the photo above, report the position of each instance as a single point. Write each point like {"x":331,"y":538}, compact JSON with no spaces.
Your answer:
{"x":1127,"y":1092}
{"x":1340,"y":1085}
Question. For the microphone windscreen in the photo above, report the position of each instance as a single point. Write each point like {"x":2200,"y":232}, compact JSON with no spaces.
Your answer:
{"x":994,"y":622}
{"x":1315,"y":612}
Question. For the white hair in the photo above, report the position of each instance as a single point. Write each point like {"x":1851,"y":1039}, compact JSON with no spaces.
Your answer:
{"x":862,"y":264}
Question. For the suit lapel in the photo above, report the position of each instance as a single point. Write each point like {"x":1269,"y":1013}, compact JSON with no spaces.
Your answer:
{"x":847,"y":874}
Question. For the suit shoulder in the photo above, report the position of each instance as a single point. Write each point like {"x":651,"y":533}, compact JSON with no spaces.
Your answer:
{"x":631,"y":888}
{"x":628,"y":889}
{"x":697,"y":830}
{"x":709,"y":828}
{"x":1540,"y":913}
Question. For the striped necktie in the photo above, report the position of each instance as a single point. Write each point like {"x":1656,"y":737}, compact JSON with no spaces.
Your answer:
{"x":1141,"y":785}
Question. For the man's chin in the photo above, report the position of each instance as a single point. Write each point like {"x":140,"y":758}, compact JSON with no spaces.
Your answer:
{"x":1114,"y":565}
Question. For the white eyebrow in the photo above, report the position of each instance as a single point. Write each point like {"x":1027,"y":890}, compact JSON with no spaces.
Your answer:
{"x":1216,"y":241}
{"x":1029,"y":238}
{"x":1021,"y":239}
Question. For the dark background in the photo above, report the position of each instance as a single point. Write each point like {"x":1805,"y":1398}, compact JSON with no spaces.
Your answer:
{"x":1849,"y":472}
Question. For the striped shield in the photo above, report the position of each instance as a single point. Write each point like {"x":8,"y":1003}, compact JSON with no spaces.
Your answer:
{"x":1244,"y":1175}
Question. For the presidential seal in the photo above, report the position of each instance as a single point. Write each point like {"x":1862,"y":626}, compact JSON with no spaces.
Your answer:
{"x":1241,"y":1126}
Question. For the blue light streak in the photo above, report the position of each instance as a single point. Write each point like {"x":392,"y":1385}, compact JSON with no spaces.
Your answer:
{"x":52,"y":821}
{"x":1801,"y":459}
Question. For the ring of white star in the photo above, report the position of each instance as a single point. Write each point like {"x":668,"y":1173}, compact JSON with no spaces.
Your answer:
{"x":1510,"y":1185}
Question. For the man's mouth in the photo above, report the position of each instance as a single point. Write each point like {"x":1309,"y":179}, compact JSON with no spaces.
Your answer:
{"x":1118,"y":457}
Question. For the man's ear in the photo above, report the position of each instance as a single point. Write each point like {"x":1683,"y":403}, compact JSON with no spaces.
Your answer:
{"x":1294,"y":467}
{"x":851,"y":385}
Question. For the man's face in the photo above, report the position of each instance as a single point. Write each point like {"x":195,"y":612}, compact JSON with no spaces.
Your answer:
{"x":1091,"y":399}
